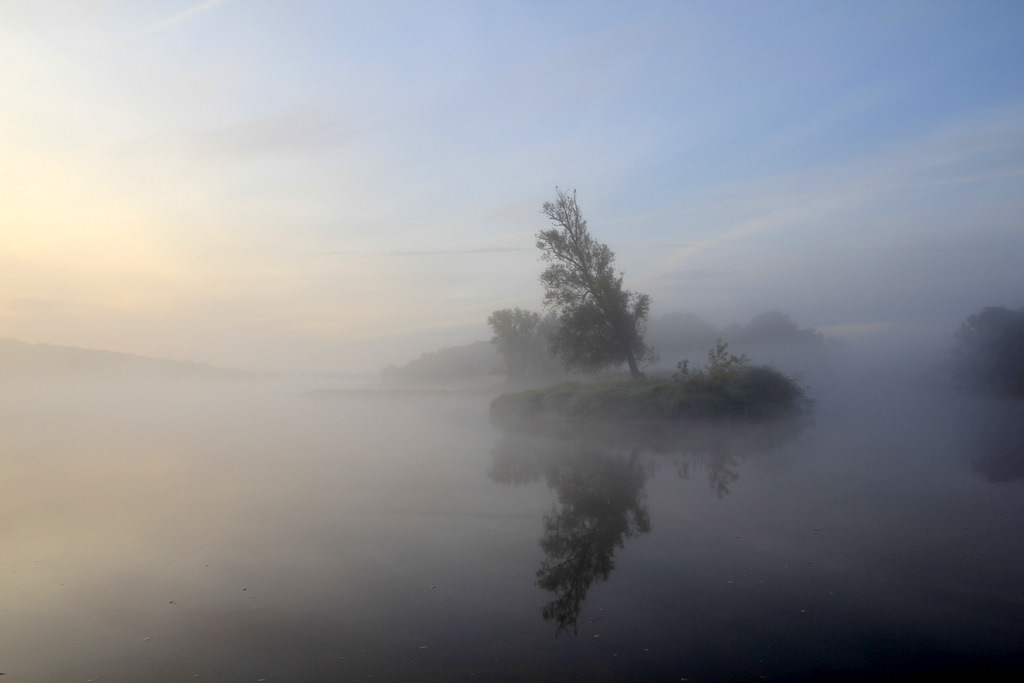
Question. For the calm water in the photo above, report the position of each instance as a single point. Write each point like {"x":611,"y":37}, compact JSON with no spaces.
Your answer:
{"x":261,"y":532}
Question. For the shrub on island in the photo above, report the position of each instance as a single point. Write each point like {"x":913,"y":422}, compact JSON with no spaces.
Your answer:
{"x":728,"y":386}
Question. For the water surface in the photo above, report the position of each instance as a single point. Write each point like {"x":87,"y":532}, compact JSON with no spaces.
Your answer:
{"x":259,"y":531}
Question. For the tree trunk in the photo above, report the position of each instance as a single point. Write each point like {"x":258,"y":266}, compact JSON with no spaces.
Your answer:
{"x":627,"y":351}
{"x":634,"y":369}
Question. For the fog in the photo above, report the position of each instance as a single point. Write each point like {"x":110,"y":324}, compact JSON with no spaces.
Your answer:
{"x":248,"y":257}
{"x":304,"y":527}
{"x":341,"y":187}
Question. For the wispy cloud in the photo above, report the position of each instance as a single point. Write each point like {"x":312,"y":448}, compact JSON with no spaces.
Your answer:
{"x":987,"y":148}
{"x":426,"y":252}
{"x":184,"y":15}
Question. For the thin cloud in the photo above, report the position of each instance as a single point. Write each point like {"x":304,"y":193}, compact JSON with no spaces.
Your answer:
{"x":426,"y":252}
{"x":184,"y":15}
{"x":949,"y":157}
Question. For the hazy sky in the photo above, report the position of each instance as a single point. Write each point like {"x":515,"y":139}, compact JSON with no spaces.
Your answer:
{"x":340,"y":185}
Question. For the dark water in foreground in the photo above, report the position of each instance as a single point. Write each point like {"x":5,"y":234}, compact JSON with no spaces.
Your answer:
{"x":258,"y":532}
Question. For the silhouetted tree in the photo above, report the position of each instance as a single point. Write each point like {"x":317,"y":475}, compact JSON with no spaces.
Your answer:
{"x":599,"y":476}
{"x":602,"y":324}
{"x":989,"y":351}
{"x":600,"y":505}
{"x":775,"y":327}
{"x":454,"y":363}
{"x":521,"y":338}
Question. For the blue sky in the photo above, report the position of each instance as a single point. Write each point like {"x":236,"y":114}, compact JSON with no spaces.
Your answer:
{"x":341,"y":185}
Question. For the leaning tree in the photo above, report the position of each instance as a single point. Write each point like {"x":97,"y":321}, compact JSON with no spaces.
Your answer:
{"x":601,"y":324}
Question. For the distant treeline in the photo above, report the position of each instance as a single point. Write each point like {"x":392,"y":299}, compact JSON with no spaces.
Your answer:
{"x":519,"y":346}
{"x":21,"y":360}
{"x":470,"y":361}
{"x":685,"y":335}
{"x":989,"y":352}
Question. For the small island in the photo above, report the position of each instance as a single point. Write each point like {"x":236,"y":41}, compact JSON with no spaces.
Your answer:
{"x":728,"y":386}
{"x":595,"y":324}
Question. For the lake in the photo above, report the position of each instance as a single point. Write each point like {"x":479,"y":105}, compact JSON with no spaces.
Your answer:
{"x":283,"y":531}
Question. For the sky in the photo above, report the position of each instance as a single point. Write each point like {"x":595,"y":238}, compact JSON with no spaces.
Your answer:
{"x":336,"y":186}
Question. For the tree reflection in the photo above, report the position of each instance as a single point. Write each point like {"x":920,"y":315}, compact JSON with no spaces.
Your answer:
{"x":599,"y":477}
{"x":721,"y":465}
{"x":600,"y":504}
{"x":996,"y":450}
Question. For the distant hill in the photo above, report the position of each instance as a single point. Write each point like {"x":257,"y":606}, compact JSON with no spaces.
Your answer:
{"x":471,"y":361}
{"x":21,"y":360}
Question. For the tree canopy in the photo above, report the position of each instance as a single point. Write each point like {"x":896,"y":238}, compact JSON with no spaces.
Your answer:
{"x":989,"y":352}
{"x":601,"y":324}
{"x":452,"y":363}
{"x":521,"y":338}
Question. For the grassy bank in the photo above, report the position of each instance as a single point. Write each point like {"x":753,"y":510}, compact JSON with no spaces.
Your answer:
{"x":727,"y":387}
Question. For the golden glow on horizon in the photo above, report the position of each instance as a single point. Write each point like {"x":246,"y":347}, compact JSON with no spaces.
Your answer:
{"x":271,"y":186}
{"x":120,"y":278}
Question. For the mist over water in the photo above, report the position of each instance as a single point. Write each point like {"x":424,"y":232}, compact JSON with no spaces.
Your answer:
{"x":292,"y":530}
{"x":264,"y":266}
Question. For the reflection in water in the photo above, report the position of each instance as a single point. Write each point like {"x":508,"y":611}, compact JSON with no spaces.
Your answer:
{"x":600,"y":500}
{"x":720,"y":464}
{"x":997,"y":446}
{"x":599,"y":476}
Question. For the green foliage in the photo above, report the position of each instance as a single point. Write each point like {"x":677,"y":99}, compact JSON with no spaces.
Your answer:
{"x":728,"y":386}
{"x":601,"y":324}
{"x":582,"y":340}
{"x":722,"y":368}
{"x":521,"y":339}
